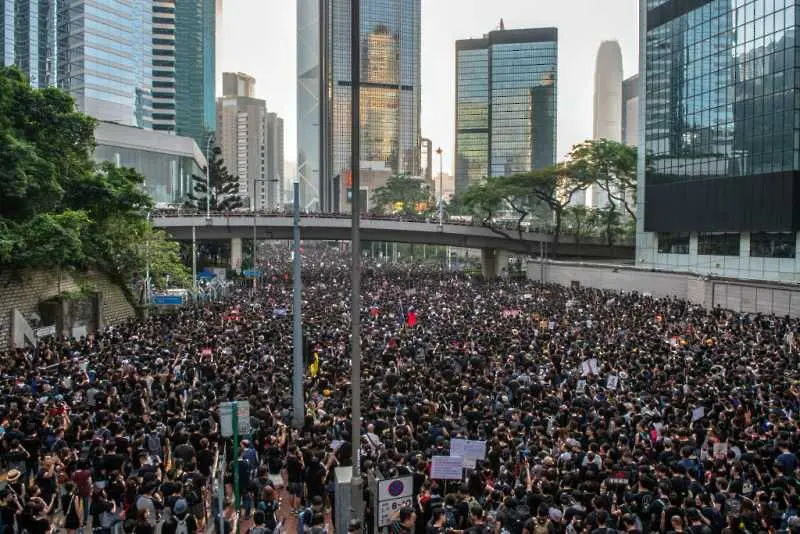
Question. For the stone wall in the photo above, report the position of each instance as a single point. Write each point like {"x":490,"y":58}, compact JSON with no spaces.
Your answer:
{"x":24,"y":291}
{"x":737,"y":295}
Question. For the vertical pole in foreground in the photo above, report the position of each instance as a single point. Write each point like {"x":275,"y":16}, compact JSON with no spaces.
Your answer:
{"x":221,"y":470}
{"x":194,"y":259}
{"x":255,"y":268}
{"x":298,"y":406}
{"x":355,"y":310}
{"x":235,"y":423}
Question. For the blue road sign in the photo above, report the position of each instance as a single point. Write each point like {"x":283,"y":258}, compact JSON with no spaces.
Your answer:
{"x":251,"y":273}
{"x":167,"y":300}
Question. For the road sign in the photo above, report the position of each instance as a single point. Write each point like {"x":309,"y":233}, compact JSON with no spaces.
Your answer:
{"x":386,"y":510}
{"x":226,"y":418}
{"x":45,"y":331}
{"x":167,"y":300}
{"x":393,"y":494}
{"x":395,"y":488}
{"x":251,"y":273}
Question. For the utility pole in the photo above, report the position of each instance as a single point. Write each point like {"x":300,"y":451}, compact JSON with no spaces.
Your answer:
{"x":355,"y":309}
{"x":194,"y":258}
{"x":298,"y":406}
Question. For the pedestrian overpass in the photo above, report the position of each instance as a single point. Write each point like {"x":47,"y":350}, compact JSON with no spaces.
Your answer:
{"x":494,"y":243}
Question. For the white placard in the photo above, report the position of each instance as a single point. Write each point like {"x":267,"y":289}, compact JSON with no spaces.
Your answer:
{"x":386,"y":509}
{"x":395,"y":488}
{"x":698,"y":413}
{"x":226,"y":418}
{"x":581,"y":386}
{"x":469,"y":450}
{"x":551,"y":325}
{"x":611,"y":383}
{"x":589,"y":366}
{"x":79,"y":331}
{"x":720,"y":451}
{"x":447,"y":467}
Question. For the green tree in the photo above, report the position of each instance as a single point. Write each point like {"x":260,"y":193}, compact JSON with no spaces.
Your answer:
{"x":609,"y":221}
{"x":224,"y":195}
{"x":555,"y":187}
{"x":484,"y":200}
{"x":612,"y":167}
{"x":57,"y":208}
{"x":413,"y":196}
{"x":579,"y":221}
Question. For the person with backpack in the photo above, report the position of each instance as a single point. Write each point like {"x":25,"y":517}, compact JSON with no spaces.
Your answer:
{"x":478,"y":525}
{"x":181,"y":521}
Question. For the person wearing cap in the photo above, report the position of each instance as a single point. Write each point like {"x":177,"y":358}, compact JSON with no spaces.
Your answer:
{"x":181,"y":521}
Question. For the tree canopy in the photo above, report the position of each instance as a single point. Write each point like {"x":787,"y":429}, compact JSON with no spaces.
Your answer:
{"x":58,"y":209}
{"x":224,"y":186}
{"x":404,"y":195}
{"x":545,"y":198}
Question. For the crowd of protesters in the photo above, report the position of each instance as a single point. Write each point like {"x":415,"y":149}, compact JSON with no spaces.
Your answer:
{"x":602,"y":412}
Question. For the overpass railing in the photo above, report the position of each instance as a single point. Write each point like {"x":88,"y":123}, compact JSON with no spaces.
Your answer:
{"x":453,"y":220}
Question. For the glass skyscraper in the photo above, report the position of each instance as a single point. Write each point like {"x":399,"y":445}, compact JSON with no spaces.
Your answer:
{"x":195,"y":54}
{"x":104,"y":58}
{"x":505,"y":104}
{"x":722,"y":127}
{"x":29,"y":39}
{"x":390,"y":93}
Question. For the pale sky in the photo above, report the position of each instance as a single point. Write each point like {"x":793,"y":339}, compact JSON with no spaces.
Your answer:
{"x":259,"y":37}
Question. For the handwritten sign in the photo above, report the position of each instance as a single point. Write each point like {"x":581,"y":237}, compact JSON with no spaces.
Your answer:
{"x":469,"y":450}
{"x":446,"y":467}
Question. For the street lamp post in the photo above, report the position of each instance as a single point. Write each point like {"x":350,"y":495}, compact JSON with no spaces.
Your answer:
{"x":441,"y":188}
{"x":355,"y":305}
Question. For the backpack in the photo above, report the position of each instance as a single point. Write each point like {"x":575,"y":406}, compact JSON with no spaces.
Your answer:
{"x":450,"y":519}
{"x":154,"y":443}
{"x":182,"y":528}
{"x":258,"y":530}
{"x":517,"y":519}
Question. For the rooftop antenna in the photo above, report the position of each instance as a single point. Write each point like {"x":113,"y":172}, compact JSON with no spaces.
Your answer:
{"x":502,"y":24}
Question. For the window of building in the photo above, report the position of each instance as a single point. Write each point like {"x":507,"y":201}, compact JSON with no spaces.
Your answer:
{"x":673,"y":243}
{"x":718,"y":244}
{"x":772,"y":245}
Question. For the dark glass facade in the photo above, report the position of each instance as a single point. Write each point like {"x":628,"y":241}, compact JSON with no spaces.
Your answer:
{"x":195,"y":99}
{"x":390,"y":85}
{"x":505,"y":104}
{"x":721,"y":120}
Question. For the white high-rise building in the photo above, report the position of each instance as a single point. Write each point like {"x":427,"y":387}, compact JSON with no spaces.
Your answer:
{"x":242,"y":137}
{"x":607,"y":122}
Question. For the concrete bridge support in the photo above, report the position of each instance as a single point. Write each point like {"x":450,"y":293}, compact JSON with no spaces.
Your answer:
{"x":494,"y":262}
{"x":236,"y":253}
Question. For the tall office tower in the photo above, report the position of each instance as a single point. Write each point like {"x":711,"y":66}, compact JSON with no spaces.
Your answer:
{"x":390,"y":94}
{"x":719,"y":119}
{"x":29,"y":39}
{"x":630,"y":110}
{"x":275,"y":163}
{"x":505,"y":104}
{"x":608,"y":92}
{"x":164,"y":65}
{"x":195,"y":49}
{"x":607,"y":120}
{"x":104,"y":58}
{"x":241,"y":134}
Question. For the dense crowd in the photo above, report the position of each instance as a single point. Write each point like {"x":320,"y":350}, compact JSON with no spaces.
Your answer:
{"x":602,"y":412}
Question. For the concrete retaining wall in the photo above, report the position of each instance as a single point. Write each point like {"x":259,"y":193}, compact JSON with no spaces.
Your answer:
{"x":737,"y":295}
{"x":26,"y":290}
